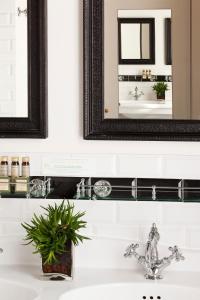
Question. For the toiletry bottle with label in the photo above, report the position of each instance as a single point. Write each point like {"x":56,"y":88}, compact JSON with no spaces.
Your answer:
{"x":15,"y":167}
{"x":150,"y":74}
{"x":4,"y":166}
{"x":144,"y":75}
{"x":25,"y":167}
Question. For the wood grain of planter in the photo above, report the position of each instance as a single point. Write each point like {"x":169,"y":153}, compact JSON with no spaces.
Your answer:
{"x":64,"y":264}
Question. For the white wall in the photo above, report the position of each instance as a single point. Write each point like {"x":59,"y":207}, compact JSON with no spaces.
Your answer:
{"x":65,"y":100}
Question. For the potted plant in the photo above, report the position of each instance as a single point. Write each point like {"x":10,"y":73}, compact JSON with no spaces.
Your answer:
{"x":160,"y":88}
{"x":53,"y":236}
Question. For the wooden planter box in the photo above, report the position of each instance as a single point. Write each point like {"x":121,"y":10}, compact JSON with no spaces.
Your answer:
{"x":162,"y":97}
{"x":64,"y":266}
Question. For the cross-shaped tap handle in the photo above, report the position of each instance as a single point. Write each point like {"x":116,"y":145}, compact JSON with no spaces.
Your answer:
{"x":176,"y":252}
{"x":131,"y":250}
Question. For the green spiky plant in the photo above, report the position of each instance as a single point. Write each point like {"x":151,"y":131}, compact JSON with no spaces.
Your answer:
{"x":160,"y":88}
{"x":50,"y":232}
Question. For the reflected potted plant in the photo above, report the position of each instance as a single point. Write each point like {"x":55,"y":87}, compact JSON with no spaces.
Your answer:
{"x":53,"y":236}
{"x":160,"y":88}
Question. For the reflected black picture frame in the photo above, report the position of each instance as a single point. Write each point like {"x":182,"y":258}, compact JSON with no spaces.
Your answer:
{"x":151,"y":22}
{"x":36,"y":124}
{"x":168,"y":41}
{"x":95,"y":126}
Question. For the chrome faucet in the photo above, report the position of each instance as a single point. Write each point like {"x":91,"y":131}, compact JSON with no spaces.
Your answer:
{"x":135,"y":94}
{"x":150,"y":261}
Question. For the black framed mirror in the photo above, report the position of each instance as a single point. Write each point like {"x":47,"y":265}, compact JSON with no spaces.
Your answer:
{"x":101,"y":77}
{"x":168,"y":41}
{"x":136,"y":41}
{"x":24,"y":115}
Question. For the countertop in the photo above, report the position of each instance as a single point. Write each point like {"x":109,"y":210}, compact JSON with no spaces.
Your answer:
{"x":51,"y":290}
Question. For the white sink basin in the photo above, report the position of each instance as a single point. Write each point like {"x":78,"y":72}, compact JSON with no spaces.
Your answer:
{"x":12,"y":291}
{"x":150,"y":291}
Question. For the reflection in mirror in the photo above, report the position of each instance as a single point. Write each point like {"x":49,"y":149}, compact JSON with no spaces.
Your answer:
{"x":13,"y":59}
{"x":136,"y":40}
{"x":144,"y":89}
{"x":168,"y":43}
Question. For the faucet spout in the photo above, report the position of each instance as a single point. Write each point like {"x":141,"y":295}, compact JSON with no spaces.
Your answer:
{"x":151,"y":253}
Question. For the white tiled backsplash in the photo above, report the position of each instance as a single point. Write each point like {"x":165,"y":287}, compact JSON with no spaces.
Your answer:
{"x":114,"y":165}
{"x":146,"y":87}
{"x":111,"y":226}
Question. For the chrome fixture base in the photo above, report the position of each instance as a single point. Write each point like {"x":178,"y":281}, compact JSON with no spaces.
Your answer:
{"x":153,"y":277}
{"x":39,"y":188}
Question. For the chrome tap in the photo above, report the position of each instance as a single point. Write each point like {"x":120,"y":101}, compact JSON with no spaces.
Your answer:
{"x":135,"y":94}
{"x":150,"y":261}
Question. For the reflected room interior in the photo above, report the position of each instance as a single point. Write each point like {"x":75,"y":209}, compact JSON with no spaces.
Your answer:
{"x":14,"y":60}
{"x":145,"y":84}
{"x":23,"y":69}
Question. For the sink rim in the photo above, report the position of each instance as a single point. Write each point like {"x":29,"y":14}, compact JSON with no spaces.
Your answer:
{"x":21,"y":286}
{"x":17,"y":283}
{"x":146,"y":284}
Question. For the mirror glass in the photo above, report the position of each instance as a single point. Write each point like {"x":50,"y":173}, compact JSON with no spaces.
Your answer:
{"x":13,"y":59}
{"x":145,"y":85}
{"x":136,"y":40}
{"x":130,"y":42}
{"x":147,"y":60}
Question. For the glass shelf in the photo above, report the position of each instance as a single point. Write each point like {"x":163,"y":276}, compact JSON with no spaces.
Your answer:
{"x":33,"y":188}
{"x":162,"y":190}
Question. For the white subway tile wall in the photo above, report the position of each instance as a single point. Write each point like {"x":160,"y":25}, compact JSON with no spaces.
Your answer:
{"x":111,"y":226}
{"x":113,"y":165}
{"x":78,"y":165}
{"x":139,"y":166}
{"x":126,"y":87}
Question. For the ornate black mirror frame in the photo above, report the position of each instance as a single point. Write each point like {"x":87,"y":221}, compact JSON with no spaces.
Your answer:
{"x":140,"y":61}
{"x":168,"y":42}
{"x":95,"y":126}
{"x":35,"y":126}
